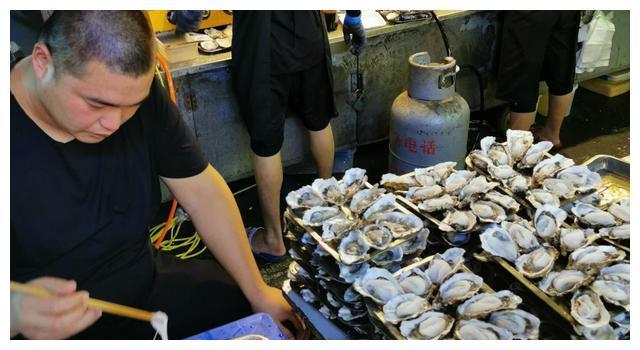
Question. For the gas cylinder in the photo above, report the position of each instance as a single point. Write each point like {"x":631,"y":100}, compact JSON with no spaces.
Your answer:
{"x":430,"y":121}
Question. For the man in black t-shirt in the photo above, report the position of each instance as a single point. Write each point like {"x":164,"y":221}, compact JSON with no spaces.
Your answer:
{"x":91,"y":131}
{"x":282,"y":60}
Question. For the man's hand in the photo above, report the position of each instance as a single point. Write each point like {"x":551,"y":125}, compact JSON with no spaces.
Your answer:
{"x":353,"y":31}
{"x":57,"y":317}
{"x":273,"y":303}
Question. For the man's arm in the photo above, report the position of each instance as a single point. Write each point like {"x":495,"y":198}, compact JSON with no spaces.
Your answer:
{"x":215,"y":214}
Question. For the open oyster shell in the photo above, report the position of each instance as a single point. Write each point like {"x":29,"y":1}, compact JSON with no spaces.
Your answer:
{"x":487,"y":211}
{"x":534,"y":154}
{"x":404,"y":306}
{"x":335,"y":229}
{"x":444,"y":265}
{"x":379,"y":285}
{"x":522,"y":234}
{"x":592,"y":216}
{"x":480,"y":159}
{"x":539,"y":197}
{"x":304,"y":197}
{"x":582,"y":178}
{"x":438,"y":172}
{"x":436,"y":204}
{"x":497,"y":242}
{"x":330,"y":190}
{"x":398,"y":183}
{"x":349,"y":273}
{"x":458,"y":287}
{"x":593,"y":258}
{"x":477,"y":186}
{"x":400,"y":224}
{"x":363,"y":199}
{"x":353,"y":181}
{"x":616,"y":232}
{"x":588,"y":310}
{"x":507,"y":202}
{"x":317,"y":216}
{"x":479,"y":330}
{"x":497,"y":152}
{"x":481,"y":305}
{"x":537,"y":263}
{"x":419,"y":194}
{"x":501,"y":173}
{"x":617,"y":272}
{"x":389,"y":257}
{"x":614,"y":292}
{"x":518,"y":143}
{"x":430,"y":325}
{"x":518,"y":183}
{"x":620,"y":210}
{"x":377,"y":236}
{"x":549,"y":167}
{"x":558,"y":283}
{"x":353,"y":248}
{"x":521,"y":324}
{"x":574,"y":238}
{"x":386,"y":203}
{"x":458,"y":221}
{"x":559,"y":187}
{"x":547,"y":221}
{"x":416,"y":244}
{"x":457,"y":180}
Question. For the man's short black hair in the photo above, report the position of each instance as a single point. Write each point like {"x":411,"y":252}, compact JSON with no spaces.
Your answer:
{"x":122,"y":40}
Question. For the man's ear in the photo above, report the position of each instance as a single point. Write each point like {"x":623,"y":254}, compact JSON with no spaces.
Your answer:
{"x":41,"y":60}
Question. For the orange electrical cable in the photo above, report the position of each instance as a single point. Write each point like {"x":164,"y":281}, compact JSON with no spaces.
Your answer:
{"x":172,"y":95}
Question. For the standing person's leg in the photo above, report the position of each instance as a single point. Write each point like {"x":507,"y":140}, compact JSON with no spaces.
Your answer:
{"x":316,"y":109}
{"x":559,"y":72}
{"x":322,"y":148}
{"x":521,"y":121}
{"x":268,"y":175}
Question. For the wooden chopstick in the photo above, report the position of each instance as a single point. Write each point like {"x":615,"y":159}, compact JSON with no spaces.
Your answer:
{"x":105,"y":306}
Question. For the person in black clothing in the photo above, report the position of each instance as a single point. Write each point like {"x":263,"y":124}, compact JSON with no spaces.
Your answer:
{"x":282,"y":60}
{"x":526,"y":59}
{"x":91,"y":132}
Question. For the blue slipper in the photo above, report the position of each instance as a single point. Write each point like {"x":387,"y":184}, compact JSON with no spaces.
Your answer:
{"x":251,"y":231}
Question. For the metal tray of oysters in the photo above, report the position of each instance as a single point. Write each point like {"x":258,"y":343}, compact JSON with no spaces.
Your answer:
{"x":353,"y":222}
{"x":566,"y":264}
{"x":456,"y":202}
{"x":438,"y":297}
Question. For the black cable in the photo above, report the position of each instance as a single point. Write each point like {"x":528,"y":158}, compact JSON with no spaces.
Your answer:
{"x":466,"y":66}
{"x":444,"y":35}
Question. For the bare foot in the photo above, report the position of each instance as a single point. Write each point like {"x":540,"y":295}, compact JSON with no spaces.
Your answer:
{"x":545,"y":135}
{"x":261,"y":243}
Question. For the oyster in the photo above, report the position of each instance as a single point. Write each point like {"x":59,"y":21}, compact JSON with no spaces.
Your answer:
{"x":617,"y":272}
{"x":574,"y":238}
{"x":379,"y":285}
{"x":616,"y":232}
{"x":351,"y":296}
{"x":404,"y":306}
{"x":458,"y":221}
{"x":594,"y":199}
{"x":346,"y":314}
{"x":622,"y":319}
{"x":549,"y":167}
{"x":518,"y":143}
{"x":479,"y":330}
{"x":559,"y":283}
{"x":457,"y":180}
{"x":398,"y":183}
{"x":430,"y":325}
{"x":548,"y":220}
{"x":317,"y":216}
{"x":353,"y":181}
{"x":353,"y":248}
{"x":588,"y":310}
{"x":518,"y":183}
{"x":620,"y":210}
{"x":335,"y":229}
{"x":416,"y":282}
{"x":377,"y":236}
{"x":481,"y":305}
{"x":297,"y":272}
{"x":388,"y":257}
{"x":561,"y":188}
{"x":534,"y":154}
{"x":497,"y":242}
{"x":480,"y":160}
{"x":592,"y":216}
{"x":458,"y":287}
{"x":419,"y":194}
{"x":383,"y":204}
{"x":416,"y":244}
{"x":497,"y":152}
{"x":615,"y":292}
{"x":488,"y":211}
{"x":438,"y":172}
{"x":582,"y":178}
{"x":308,"y":296}
{"x":521,"y":324}
{"x":478,"y":185}
{"x":305,"y":197}
{"x":605,"y":332}
{"x":327,"y":313}
{"x":522,"y":234}
{"x":444,"y":265}
{"x":501,"y":173}
{"x":364,"y":198}
{"x":436,"y":204}
{"x":537,"y":263}
{"x":507,"y":202}
{"x":539,"y":197}
{"x":349,"y":273}
{"x":592,"y":258}
{"x":400,"y":224}
{"x":330,"y":190}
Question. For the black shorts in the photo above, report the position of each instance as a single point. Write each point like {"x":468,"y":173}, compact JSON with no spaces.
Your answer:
{"x":536,"y":45}
{"x":307,"y":93}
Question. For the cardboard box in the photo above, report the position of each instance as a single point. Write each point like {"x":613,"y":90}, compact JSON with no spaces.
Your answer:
{"x":175,"y":49}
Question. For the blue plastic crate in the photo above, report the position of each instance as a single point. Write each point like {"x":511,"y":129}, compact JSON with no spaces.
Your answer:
{"x":256,"y":326}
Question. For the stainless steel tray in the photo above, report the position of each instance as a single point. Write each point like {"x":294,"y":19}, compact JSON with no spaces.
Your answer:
{"x":392,"y":330}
